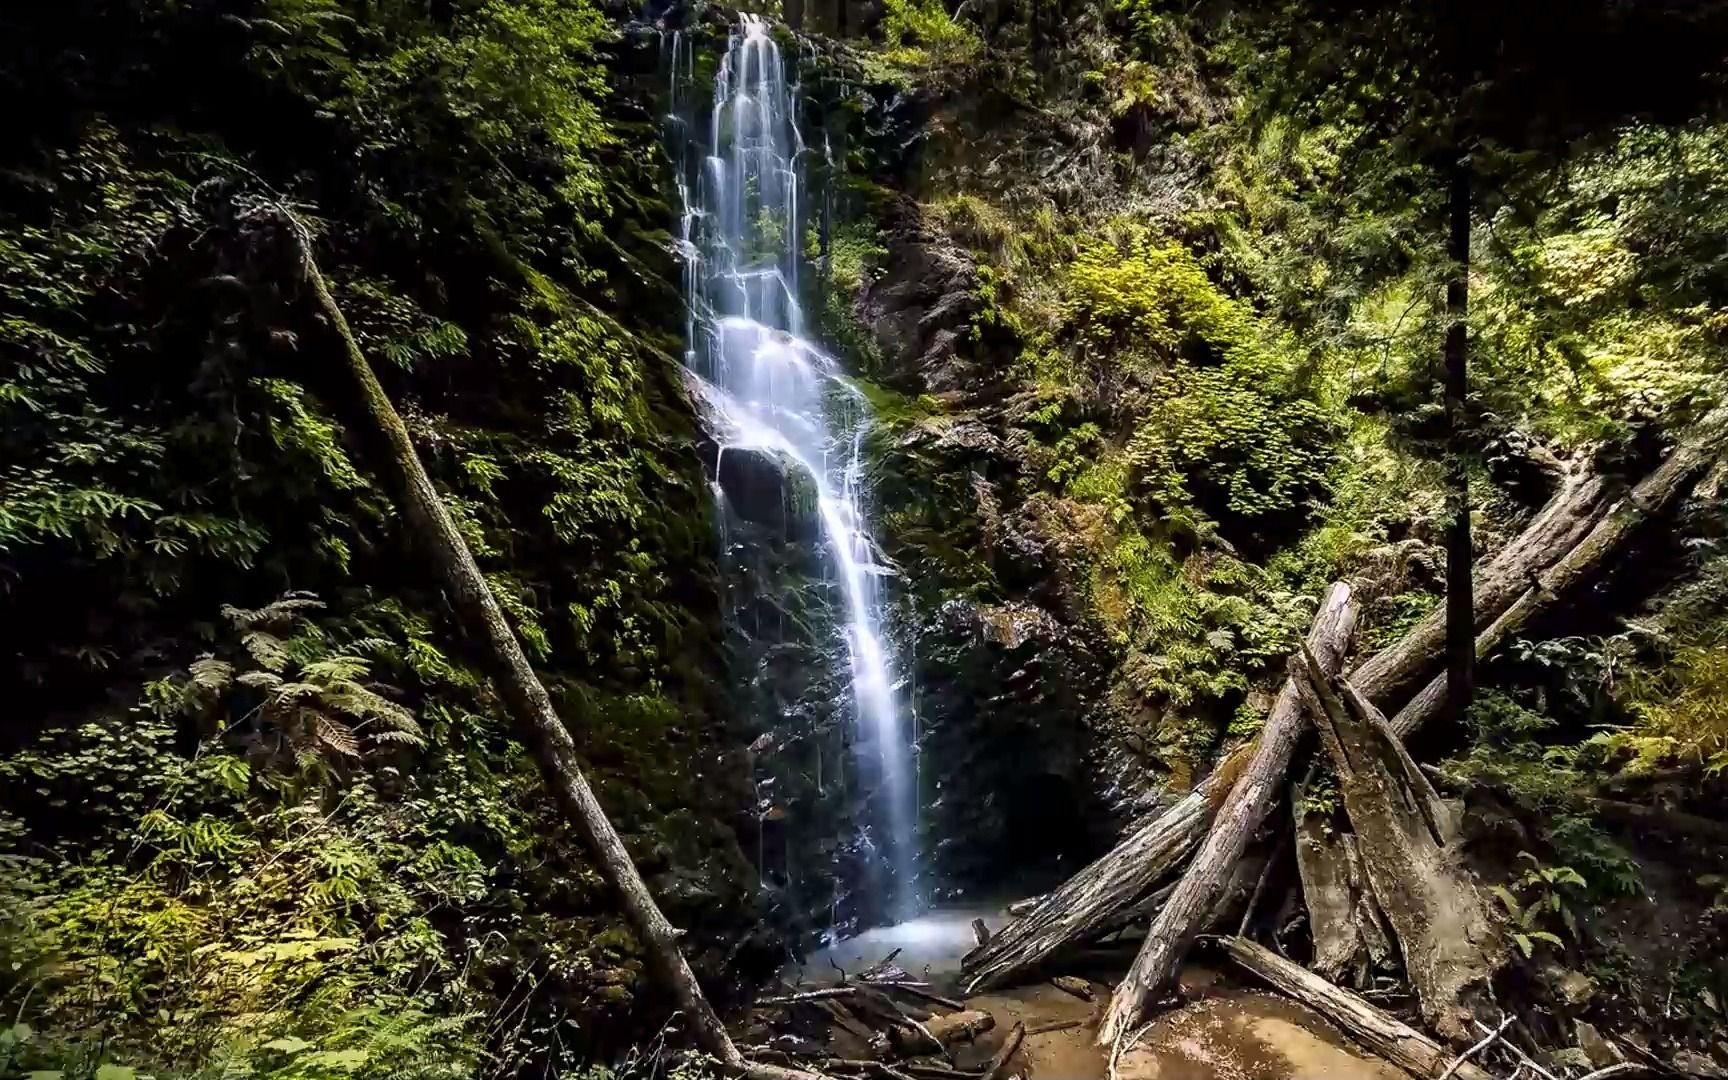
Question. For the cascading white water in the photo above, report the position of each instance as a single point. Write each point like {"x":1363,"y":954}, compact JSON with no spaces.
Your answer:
{"x":768,"y":388}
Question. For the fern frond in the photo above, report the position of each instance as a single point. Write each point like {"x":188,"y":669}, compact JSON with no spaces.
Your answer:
{"x":336,"y":669}
{"x":282,"y":611}
{"x":334,"y":735}
{"x":266,"y":649}
{"x":211,"y":674}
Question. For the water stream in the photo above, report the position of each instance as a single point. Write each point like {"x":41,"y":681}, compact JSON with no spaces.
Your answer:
{"x":768,"y":388}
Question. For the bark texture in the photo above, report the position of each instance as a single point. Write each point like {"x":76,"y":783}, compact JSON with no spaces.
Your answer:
{"x":1460,"y":551}
{"x":1374,"y":1028}
{"x":1449,"y":941}
{"x":1349,"y":932}
{"x":1608,"y":533}
{"x":1183,"y":914}
{"x":1578,"y":504}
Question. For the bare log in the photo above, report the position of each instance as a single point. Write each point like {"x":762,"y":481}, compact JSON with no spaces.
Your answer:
{"x":808,"y":995}
{"x":960,"y":1027}
{"x":1180,"y":919}
{"x":1005,"y":1052}
{"x":922,"y":994}
{"x":1542,"y":589}
{"x":1088,"y":902}
{"x":1091,"y":902}
{"x":1662,"y":820}
{"x":1073,"y":984}
{"x":1054,"y":1025}
{"x":1349,"y":933}
{"x":1449,"y":942}
{"x":1374,"y":1028}
{"x":536,"y":722}
{"x":1577,"y":505}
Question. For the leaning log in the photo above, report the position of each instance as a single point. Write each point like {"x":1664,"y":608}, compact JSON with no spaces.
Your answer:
{"x":1374,"y":1028}
{"x":1578,"y":504}
{"x":530,"y":707}
{"x":1450,"y":944}
{"x":1181,"y":918}
{"x":1092,"y":901}
{"x":1652,"y":496}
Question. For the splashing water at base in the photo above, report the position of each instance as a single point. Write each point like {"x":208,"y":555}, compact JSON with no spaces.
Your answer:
{"x":768,"y":388}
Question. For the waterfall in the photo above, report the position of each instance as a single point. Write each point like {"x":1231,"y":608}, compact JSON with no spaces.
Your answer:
{"x":768,"y":388}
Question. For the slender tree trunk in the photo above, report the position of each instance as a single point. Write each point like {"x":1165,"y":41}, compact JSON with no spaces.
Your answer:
{"x":1460,"y":554}
{"x":537,"y":724}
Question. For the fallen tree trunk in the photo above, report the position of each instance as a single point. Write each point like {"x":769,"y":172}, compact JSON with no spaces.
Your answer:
{"x":1108,"y":891}
{"x":1179,"y":920}
{"x":1349,"y":932}
{"x":1087,"y":903}
{"x":1653,"y":495}
{"x":1659,"y":819}
{"x":1094,"y":900}
{"x":1577,"y":505}
{"x":530,"y":707}
{"x":956,"y":1027}
{"x":1449,"y":942}
{"x":1375,"y":1029}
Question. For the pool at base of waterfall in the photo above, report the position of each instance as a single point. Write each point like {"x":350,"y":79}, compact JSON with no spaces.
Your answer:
{"x":1224,"y":1031}
{"x":929,"y":947}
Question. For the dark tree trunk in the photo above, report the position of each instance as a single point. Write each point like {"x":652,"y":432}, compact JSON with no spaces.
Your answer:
{"x":1460,"y":555}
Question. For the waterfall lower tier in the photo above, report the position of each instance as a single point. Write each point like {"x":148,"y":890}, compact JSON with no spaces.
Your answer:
{"x":768,"y":389}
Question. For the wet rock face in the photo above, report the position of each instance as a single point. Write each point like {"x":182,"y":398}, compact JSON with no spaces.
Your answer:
{"x":767,"y":489}
{"x":1023,"y":772}
{"x":921,"y":304}
{"x":1005,"y":690}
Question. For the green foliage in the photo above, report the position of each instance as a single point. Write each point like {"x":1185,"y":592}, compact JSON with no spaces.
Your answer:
{"x":1539,"y":902}
{"x":1222,"y":428}
{"x":1516,"y":752}
{"x":921,"y":34}
{"x":234,"y":906}
{"x":313,"y":850}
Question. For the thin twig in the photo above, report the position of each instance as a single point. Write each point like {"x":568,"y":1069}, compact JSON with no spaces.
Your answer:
{"x":1054,"y":1025}
{"x":809,"y":995}
{"x":922,"y":994}
{"x":1260,"y":885}
{"x":1474,"y":1050}
{"x":1523,"y":1058}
